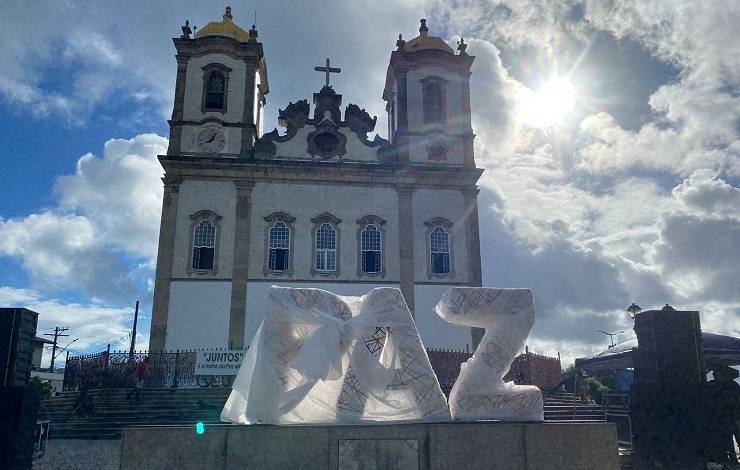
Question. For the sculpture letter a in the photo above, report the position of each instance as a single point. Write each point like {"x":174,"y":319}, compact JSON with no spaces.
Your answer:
{"x":480,"y":391}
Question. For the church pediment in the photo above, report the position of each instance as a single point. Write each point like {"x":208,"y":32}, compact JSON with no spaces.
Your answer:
{"x":325,"y":136}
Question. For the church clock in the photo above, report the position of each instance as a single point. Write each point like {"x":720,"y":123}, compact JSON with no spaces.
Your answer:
{"x":211,"y":140}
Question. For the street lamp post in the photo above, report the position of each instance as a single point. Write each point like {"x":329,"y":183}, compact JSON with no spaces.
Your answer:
{"x":51,"y":369}
{"x":611,"y":336}
{"x":633,"y":310}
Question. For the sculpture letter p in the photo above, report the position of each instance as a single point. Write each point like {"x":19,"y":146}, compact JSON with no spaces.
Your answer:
{"x":480,"y":391}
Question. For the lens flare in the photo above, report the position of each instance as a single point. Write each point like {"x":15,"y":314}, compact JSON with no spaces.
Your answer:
{"x":549,"y":105}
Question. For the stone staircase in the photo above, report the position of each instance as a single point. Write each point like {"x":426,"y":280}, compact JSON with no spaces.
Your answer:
{"x":566,"y":406}
{"x":164,"y":406}
{"x":113,"y":411}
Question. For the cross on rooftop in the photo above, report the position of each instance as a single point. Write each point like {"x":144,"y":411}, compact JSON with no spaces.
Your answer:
{"x":328,"y":70}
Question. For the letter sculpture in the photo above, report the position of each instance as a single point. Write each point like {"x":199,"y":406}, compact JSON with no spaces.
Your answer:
{"x":323,"y":358}
{"x":480,"y":391}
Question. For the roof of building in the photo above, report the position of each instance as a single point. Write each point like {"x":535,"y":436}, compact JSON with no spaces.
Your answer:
{"x":39,"y":339}
{"x":227,"y":28}
{"x":424,"y":41}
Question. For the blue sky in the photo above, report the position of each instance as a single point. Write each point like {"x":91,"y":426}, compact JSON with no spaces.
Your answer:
{"x":626,"y":190}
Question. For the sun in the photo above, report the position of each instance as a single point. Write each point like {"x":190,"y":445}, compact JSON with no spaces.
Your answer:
{"x":549,"y":105}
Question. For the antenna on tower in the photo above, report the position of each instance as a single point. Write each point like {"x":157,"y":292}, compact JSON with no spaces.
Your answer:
{"x":255,"y":17}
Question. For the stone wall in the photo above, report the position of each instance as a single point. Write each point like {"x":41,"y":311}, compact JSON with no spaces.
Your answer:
{"x":535,"y":369}
{"x":530,"y":446}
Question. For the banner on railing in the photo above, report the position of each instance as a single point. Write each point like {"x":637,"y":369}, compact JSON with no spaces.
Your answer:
{"x":225,"y":362}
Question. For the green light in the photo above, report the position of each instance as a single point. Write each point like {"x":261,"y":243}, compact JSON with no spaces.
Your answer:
{"x":200,"y":428}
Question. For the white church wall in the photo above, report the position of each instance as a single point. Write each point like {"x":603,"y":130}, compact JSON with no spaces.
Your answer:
{"x":449,"y":204}
{"x":199,"y":195}
{"x":435,"y":332}
{"x":418,"y":144}
{"x":198,"y":316}
{"x":304,"y":202}
{"x":257,"y":298}
{"x":356,"y":150}
{"x":194,"y":88}
{"x":415,"y":98}
{"x":418,"y":149}
{"x":295,"y":147}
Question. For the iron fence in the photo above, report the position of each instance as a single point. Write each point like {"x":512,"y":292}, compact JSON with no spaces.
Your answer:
{"x":115,"y":369}
{"x":176,"y":369}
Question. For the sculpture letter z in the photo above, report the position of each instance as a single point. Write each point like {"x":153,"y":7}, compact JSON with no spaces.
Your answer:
{"x":480,"y":391}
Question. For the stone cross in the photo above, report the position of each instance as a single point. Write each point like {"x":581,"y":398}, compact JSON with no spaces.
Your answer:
{"x":328,"y":70}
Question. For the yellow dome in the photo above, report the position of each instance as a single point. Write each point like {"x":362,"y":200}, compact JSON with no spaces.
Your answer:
{"x":424,"y":41}
{"x":227,"y":28}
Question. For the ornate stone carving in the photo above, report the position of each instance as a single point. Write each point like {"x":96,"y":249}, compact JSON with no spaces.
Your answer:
{"x":264,"y":147}
{"x":359,"y":120}
{"x":327,"y":100}
{"x":186,"y":30}
{"x":461,"y":46}
{"x":326,"y":142}
{"x":400,"y":43}
{"x":437,"y":149}
{"x":295,"y":115}
{"x":480,"y":391}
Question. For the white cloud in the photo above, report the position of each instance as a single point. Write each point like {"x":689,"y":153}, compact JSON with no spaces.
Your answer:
{"x":595,"y":216}
{"x":710,"y":195}
{"x":121,"y":192}
{"x":94,"y":324}
{"x":108,"y":215}
{"x":695,"y":123}
{"x":699,"y":257}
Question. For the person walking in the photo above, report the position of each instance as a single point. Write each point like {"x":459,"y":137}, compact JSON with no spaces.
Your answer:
{"x":141,"y":370}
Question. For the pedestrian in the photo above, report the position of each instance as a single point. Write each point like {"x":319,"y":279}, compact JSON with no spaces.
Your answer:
{"x":84,"y":403}
{"x":141,"y":370}
{"x":724,"y":409}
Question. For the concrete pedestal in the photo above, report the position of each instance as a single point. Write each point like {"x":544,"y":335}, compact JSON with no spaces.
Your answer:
{"x":479,"y":445}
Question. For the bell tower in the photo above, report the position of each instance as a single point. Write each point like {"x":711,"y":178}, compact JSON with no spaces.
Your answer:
{"x":220,"y":91}
{"x":427,"y":94}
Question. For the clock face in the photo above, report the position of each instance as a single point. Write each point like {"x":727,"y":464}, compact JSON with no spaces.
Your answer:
{"x":211,"y":140}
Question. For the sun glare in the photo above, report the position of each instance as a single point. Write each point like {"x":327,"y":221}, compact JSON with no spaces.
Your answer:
{"x":549,"y":105}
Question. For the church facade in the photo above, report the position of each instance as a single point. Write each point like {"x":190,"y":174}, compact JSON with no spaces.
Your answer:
{"x":319,"y":204}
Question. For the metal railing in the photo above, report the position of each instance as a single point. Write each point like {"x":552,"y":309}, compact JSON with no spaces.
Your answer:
{"x":114,"y":369}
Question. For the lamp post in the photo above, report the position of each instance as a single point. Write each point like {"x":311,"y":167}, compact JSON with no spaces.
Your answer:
{"x":633,"y":310}
{"x":54,"y":356}
{"x":611,"y":336}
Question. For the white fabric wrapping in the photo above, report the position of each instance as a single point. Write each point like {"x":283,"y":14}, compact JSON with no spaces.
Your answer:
{"x":323,"y":358}
{"x":480,"y":391}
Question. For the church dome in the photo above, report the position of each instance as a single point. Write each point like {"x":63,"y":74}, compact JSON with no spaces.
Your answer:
{"x":227,"y":28}
{"x":424,"y":41}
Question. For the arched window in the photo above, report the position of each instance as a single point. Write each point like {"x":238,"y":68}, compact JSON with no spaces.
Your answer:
{"x":440,"y":259}
{"x":278,"y":257}
{"x":216,"y":90}
{"x":204,"y":245}
{"x":434,"y":97}
{"x":326,"y":249}
{"x":439,"y":242}
{"x":371,"y":241}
